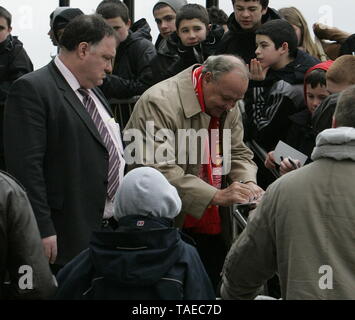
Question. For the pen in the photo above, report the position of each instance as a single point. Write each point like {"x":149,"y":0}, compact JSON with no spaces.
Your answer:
{"x":293,"y":163}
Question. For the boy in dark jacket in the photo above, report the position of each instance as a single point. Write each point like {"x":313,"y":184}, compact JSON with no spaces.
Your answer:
{"x":131,"y":67}
{"x":301,"y":135}
{"x":14,"y":63}
{"x":164,"y":12}
{"x":145,"y":258}
{"x":276,"y":89}
{"x":247,"y":17}
{"x":195,"y":40}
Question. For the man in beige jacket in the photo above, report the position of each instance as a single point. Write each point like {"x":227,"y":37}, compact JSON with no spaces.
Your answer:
{"x":304,"y":226}
{"x":200,"y":100}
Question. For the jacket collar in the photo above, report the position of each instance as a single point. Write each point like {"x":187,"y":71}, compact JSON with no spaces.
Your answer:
{"x":337,"y":143}
{"x":187,"y":93}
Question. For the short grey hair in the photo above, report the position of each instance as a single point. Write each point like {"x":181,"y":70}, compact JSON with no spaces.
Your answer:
{"x":344,"y":113}
{"x":221,"y":64}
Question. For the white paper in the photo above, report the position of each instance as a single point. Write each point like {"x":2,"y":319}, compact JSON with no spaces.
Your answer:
{"x":284,"y":150}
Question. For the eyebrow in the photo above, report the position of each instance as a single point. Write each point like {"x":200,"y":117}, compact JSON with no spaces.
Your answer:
{"x":168,"y":16}
{"x":251,"y":7}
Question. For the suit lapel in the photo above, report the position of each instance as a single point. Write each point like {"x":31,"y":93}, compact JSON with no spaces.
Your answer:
{"x":75,"y":103}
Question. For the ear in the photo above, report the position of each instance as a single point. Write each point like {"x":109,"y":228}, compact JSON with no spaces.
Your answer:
{"x":83,"y":49}
{"x":208,"y":77}
{"x":264,"y":10}
{"x":334,"y":123}
{"x":10,"y":29}
{"x":284,"y":48}
{"x":209,"y":27}
{"x":129,"y":22}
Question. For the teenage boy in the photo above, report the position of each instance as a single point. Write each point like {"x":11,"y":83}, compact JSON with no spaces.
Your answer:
{"x":14,"y":63}
{"x":277,"y":89}
{"x":301,"y":135}
{"x":131,"y":67}
{"x":247,"y":17}
{"x":195,"y":39}
{"x":164,"y":13}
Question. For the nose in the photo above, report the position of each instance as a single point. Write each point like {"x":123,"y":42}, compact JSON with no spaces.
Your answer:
{"x":164,"y":25}
{"x":245,"y":13}
{"x":108,"y":67}
{"x":316,"y":102}
{"x":192,"y":35}
{"x":257,"y":51}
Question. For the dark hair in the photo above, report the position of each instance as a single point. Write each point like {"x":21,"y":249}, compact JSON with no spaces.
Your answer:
{"x":280,"y":31}
{"x":217,"y":16}
{"x":6,"y":15}
{"x":85,"y":28}
{"x":264,"y":3}
{"x":110,"y":9}
{"x":315,"y":78}
{"x":192,"y":11}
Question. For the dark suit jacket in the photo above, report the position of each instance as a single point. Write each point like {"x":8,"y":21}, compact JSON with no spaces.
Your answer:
{"x":53,"y":147}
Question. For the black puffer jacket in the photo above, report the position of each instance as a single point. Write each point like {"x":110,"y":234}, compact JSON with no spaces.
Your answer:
{"x":145,"y":259}
{"x":131,"y":72}
{"x":242,"y":42}
{"x":14,"y":63}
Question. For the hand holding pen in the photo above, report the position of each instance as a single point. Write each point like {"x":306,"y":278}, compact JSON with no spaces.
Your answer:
{"x":288,"y":164}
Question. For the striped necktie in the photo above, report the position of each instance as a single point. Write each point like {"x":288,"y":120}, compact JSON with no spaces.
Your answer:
{"x":114,"y":160}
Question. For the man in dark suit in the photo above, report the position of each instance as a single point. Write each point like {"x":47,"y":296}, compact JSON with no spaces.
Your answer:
{"x":62,"y":142}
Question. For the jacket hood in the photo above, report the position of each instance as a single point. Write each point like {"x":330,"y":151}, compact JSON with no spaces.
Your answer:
{"x":173,"y":4}
{"x":336,"y":143}
{"x":10,"y":43}
{"x":234,"y":26}
{"x":139,"y":30}
{"x":140,"y":253}
{"x":156,"y":196}
{"x":322,"y":66}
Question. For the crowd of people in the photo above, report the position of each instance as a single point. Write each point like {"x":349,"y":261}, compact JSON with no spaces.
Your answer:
{"x":92,"y":210}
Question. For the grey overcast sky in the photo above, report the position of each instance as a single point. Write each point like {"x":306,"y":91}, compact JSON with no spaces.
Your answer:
{"x":31,"y":18}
